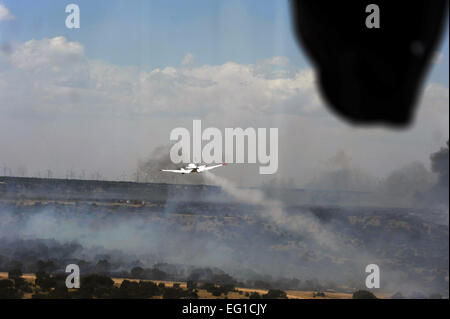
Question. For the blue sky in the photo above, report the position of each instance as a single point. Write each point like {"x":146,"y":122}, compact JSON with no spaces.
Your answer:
{"x":160,"y":33}
{"x":157,"y":34}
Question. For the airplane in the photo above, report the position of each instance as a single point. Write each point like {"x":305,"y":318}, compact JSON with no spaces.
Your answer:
{"x":192,"y":168}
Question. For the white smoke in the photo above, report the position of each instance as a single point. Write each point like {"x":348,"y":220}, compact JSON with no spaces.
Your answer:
{"x":272,"y":211}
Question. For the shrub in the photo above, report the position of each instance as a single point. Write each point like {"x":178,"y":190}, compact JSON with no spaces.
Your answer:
{"x":22,"y":284}
{"x":363,"y":294}
{"x":172,"y":293}
{"x":254,"y":295}
{"x":15,"y":273}
{"x":275,"y":294}
{"x":190,"y":284}
{"x":95,"y":285}
{"x":208,"y":286}
{"x":128,"y":289}
{"x":148,"y":289}
{"x":7,"y":290}
{"x":45,"y":281}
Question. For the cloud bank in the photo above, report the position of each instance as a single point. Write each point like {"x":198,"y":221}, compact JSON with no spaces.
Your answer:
{"x":5,"y":14}
{"x":58,"y":100}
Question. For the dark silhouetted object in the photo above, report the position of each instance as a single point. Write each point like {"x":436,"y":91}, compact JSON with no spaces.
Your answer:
{"x":440,"y":166}
{"x":370,"y":75}
{"x":363,"y":294}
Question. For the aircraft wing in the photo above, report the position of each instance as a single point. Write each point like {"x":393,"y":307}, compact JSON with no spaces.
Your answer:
{"x":179,"y":171}
{"x":207,"y":168}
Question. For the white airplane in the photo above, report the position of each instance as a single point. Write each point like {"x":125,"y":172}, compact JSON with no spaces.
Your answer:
{"x":192,"y":168}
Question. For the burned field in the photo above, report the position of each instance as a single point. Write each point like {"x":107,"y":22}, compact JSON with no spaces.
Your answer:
{"x":200,"y":233}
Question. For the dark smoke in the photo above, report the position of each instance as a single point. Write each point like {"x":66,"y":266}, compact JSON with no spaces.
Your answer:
{"x":148,"y":170}
{"x":440,"y":165}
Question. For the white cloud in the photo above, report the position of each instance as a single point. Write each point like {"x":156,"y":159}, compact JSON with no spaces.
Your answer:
{"x":45,"y":53}
{"x":54,"y":75}
{"x":188,"y":59}
{"x":5,"y":14}
{"x":56,"y":70}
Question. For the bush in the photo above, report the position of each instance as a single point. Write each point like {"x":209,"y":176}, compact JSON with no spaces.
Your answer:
{"x":6,"y":283}
{"x":217,"y":290}
{"x":172,"y":293}
{"x":216,"y":293}
{"x":128,"y":289}
{"x":227,"y":288}
{"x":15,"y":273}
{"x":191,"y":285}
{"x":22,"y":284}
{"x":275,"y":294}
{"x":7,"y":290}
{"x":94,"y":285}
{"x":95,"y":281}
{"x":129,"y":285}
{"x":45,"y":281}
{"x":363,"y":294}
{"x":148,"y":289}
{"x":254,"y":295}
{"x":208,"y":286}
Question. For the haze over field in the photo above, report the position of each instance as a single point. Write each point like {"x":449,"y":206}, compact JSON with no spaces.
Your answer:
{"x":244,"y":232}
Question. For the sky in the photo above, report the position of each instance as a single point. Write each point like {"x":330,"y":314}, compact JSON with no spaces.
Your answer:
{"x":101,"y":98}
